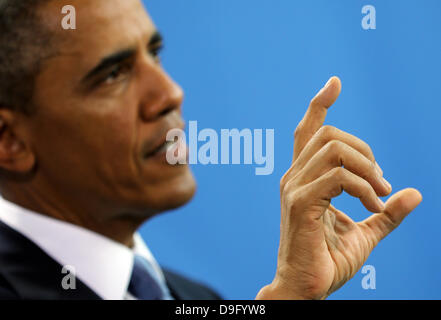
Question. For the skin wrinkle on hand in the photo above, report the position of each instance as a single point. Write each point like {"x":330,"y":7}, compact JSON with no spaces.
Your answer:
{"x":102,"y":110}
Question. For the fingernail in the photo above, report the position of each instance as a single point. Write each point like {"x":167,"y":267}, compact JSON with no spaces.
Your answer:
{"x":381,"y":204}
{"x":387,"y":184}
{"x":380,"y":172}
{"x":328,"y":83}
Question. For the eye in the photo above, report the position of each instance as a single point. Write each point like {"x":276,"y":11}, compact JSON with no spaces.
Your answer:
{"x":155,"y":52}
{"x":117,"y":73}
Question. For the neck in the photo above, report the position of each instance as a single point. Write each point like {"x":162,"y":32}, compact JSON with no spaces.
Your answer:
{"x":80,"y":212}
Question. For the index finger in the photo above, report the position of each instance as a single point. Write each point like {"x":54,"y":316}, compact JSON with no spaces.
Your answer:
{"x":316,"y":114}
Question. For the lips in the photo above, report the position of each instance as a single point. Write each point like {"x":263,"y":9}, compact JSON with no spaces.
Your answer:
{"x":161,"y":145}
{"x":161,"y":149}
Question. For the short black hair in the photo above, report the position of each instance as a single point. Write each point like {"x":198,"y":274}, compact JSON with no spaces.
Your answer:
{"x":24,"y":42}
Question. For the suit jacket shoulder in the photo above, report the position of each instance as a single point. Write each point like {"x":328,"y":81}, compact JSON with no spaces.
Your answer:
{"x":27,"y":272}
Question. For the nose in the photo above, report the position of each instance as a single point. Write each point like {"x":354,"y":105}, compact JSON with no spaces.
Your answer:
{"x":160,"y":94}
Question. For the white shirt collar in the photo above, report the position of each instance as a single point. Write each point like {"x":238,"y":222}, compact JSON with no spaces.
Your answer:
{"x":102,"y":264}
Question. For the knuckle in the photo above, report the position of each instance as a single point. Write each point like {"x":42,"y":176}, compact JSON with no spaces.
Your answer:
{"x":291,"y":196}
{"x":284,"y":181}
{"x":291,"y":199}
{"x":338,"y":173}
{"x":368,"y":151}
{"x":367,"y":187}
{"x":314,"y":101}
{"x":326,"y":132}
{"x":336,"y":181}
{"x":366,"y":190}
{"x":372,"y":169}
{"x":294,"y":200}
{"x":334,"y":147}
{"x":298,"y":130}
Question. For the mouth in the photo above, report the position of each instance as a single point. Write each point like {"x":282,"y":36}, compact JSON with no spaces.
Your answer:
{"x":160,"y":150}
{"x":162,"y":145}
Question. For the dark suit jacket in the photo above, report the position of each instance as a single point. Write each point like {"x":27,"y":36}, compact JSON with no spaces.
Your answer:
{"x":27,"y":272}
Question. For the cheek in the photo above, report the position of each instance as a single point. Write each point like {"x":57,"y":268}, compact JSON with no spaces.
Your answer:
{"x":118,"y":146}
{"x":92,"y":140}
{"x":101,"y":147}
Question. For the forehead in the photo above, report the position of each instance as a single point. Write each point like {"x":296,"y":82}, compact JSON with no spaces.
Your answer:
{"x":102,"y":26}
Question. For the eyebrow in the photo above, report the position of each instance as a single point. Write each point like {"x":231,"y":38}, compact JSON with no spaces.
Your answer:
{"x":120,"y":56}
{"x":155,"y":39}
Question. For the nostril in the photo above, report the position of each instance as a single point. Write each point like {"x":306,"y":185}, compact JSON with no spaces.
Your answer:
{"x":166,"y":111}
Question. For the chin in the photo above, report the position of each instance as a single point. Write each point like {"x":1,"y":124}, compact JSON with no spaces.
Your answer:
{"x":167,"y":194}
{"x":180,"y":192}
{"x":172,"y":193}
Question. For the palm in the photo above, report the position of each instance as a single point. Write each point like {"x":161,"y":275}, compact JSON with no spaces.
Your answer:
{"x":337,"y":247}
{"x":348,"y":246}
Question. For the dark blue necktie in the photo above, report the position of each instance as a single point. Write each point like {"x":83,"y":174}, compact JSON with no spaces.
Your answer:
{"x":142,"y":285}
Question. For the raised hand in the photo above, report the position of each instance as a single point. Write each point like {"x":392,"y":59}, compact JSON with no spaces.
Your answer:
{"x":321,"y":248}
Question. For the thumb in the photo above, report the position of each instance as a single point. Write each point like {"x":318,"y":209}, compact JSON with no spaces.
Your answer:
{"x":396,"y":209}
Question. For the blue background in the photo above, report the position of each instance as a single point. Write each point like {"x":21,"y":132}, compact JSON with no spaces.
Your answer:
{"x":256,"y":64}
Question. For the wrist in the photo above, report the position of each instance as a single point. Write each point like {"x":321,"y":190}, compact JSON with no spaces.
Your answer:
{"x":273,"y":292}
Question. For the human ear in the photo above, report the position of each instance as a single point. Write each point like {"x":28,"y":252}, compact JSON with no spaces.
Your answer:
{"x":15,"y":153}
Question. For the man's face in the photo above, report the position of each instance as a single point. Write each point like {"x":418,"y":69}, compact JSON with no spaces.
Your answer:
{"x":103,"y":109}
